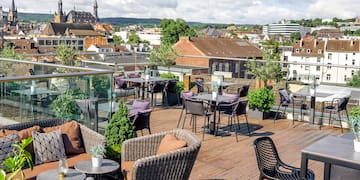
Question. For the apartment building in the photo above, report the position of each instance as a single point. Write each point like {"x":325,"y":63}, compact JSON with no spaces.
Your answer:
{"x":330,"y":61}
{"x":284,"y":29}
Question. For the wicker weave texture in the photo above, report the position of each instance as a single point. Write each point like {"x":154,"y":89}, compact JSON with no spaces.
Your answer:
{"x":172,"y":165}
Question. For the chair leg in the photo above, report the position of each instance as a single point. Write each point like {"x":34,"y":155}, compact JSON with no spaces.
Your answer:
{"x":340,"y":122}
{"x":184,"y":120}
{"x":234,"y":129}
{"x":276,"y":114}
{"x":247,"y":124}
{"x":238,"y":121}
{"x":182,"y":111}
{"x":347,"y":115}
{"x":330,"y":118}
{"x":204,"y":128}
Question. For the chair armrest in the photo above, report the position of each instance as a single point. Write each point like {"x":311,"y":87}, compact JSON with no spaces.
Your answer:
{"x":136,"y":148}
{"x":90,"y":138}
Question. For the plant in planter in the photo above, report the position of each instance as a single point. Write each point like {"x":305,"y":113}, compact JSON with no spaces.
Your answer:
{"x":20,"y":158}
{"x":97,"y":153}
{"x":64,"y":106}
{"x":262,"y":100}
{"x":354,"y":123}
{"x":117,"y":131}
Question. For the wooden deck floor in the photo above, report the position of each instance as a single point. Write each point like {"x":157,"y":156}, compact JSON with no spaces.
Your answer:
{"x":222,"y":157}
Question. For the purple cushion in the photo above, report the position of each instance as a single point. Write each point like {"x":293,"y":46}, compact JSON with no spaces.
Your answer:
{"x":143,"y":105}
{"x":186,"y":95}
{"x":136,"y":111}
{"x":233,"y":97}
{"x":119,"y":82}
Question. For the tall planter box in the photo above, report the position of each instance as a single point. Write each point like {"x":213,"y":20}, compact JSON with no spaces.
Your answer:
{"x":256,"y":114}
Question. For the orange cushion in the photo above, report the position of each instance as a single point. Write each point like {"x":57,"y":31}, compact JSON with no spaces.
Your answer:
{"x":53,"y":165}
{"x":6,"y":132}
{"x":127,"y":167}
{"x":170,"y":143}
{"x":71,"y":137}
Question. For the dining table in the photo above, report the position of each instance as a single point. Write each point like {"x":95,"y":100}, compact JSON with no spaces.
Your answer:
{"x":215,"y":101}
{"x":221,"y":85}
{"x":331,"y":150}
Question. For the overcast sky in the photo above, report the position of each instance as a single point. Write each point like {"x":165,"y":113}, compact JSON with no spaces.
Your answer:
{"x":207,"y":11}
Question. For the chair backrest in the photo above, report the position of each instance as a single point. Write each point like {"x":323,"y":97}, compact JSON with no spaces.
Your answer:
{"x":199,"y":84}
{"x":266,"y":155}
{"x":343,"y":103}
{"x":284,"y":96}
{"x":194,"y":107}
{"x":170,"y":86}
{"x":157,"y":86}
{"x":120,"y":83}
{"x":184,"y":95}
{"x":241,"y":107}
{"x":243,"y":91}
{"x":142,"y":120}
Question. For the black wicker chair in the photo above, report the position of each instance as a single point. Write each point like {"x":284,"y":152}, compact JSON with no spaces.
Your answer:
{"x":155,"y":88}
{"x":286,"y":101}
{"x":196,"y":108}
{"x":270,"y":165}
{"x":338,"y":105}
{"x":142,"y":121}
{"x":243,"y":90}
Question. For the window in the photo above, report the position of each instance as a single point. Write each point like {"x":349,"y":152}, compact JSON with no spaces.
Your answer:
{"x":308,"y":51}
{"x":344,"y":77}
{"x":41,"y":42}
{"x":352,"y":72}
{"x":317,"y":68}
{"x":353,"y":62}
{"x":346,"y":56}
{"x":307,"y":67}
{"x":319,"y":51}
{"x":329,"y":66}
{"x":318,"y":59}
{"x":297,"y":50}
{"x":227,"y":69}
{"x":329,"y":56}
{"x":353,"y":54}
{"x":213,"y":66}
{"x":328,"y":77}
{"x":237,"y":67}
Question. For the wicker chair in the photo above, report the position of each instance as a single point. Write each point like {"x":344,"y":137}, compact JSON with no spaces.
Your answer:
{"x":172,"y":165}
{"x":270,"y":165}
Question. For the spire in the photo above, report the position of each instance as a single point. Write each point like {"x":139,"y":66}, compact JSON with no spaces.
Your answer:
{"x":96,"y":10}
{"x":12,"y":8}
{"x":60,"y":11}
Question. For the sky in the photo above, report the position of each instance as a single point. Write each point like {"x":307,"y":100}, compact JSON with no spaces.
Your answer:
{"x":206,"y":11}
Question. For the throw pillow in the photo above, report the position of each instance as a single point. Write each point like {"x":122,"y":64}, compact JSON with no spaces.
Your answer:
{"x":26,"y":133}
{"x":71,"y":136}
{"x":141,"y":104}
{"x":48,"y":146}
{"x":6,"y":132}
{"x":5,"y":146}
{"x":170,"y":143}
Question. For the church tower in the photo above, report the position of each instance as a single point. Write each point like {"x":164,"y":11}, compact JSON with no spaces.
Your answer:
{"x":12,"y":15}
{"x":59,"y":15}
{"x":96,"y":11}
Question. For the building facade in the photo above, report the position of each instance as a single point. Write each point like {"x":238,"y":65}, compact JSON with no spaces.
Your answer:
{"x":76,"y":16}
{"x":330,"y":61}
{"x":284,"y":29}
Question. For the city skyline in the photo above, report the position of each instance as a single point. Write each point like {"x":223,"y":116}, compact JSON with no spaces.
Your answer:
{"x":210,"y":11}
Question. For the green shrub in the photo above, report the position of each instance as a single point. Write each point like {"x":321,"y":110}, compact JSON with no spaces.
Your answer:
{"x":117,"y":131}
{"x":354,"y":121}
{"x":261,"y":99}
{"x":64,"y":106}
{"x":179,"y":84}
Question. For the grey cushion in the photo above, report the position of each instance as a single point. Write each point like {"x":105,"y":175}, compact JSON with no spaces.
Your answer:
{"x":48,"y":146}
{"x":5,"y":146}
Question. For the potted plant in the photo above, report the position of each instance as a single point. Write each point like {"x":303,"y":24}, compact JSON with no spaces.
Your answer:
{"x":354,"y":123}
{"x":20,"y":157}
{"x":214,"y":89}
{"x":117,"y":131}
{"x":97,"y":155}
{"x":261,"y":101}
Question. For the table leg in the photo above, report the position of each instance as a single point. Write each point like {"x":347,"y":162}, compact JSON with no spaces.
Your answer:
{"x":322,"y":114}
{"x":304,"y":165}
{"x":327,"y":171}
{"x":143,"y":91}
{"x":312,"y":109}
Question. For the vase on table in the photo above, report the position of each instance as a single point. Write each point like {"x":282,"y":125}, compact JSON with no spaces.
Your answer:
{"x":96,"y":161}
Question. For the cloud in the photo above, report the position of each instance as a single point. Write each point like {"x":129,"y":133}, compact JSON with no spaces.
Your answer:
{"x":209,"y":11}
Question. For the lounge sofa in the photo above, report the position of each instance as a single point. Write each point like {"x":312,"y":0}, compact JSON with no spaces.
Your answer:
{"x":88,"y":138}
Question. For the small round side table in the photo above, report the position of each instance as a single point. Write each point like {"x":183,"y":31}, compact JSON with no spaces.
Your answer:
{"x":107,"y":166}
{"x":71,"y":174}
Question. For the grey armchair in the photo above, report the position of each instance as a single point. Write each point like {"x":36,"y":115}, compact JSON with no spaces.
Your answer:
{"x":141,"y":154}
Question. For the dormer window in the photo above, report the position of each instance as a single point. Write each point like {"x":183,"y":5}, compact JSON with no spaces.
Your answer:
{"x":297,"y":50}
{"x":308,"y":51}
{"x":319,"y":51}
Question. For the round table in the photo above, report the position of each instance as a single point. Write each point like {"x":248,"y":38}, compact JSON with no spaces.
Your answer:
{"x":71,"y":174}
{"x":107,"y":166}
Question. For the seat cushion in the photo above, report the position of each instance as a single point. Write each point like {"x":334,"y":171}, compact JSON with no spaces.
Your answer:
{"x":170,"y":143}
{"x":48,"y":146}
{"x":71,"y":161}
{"x":5,"y":146}
{"x":126,"y":169}
{"x":6,"y":132}
{"x":143,"y":105}
{"x":71,"y":137}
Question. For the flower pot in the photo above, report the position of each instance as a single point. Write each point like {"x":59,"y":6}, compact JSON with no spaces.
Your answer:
{"x":356,"y":145}
{"x":214,"y":95}
{"x":256,"y":114}
{"x":96,"y":161}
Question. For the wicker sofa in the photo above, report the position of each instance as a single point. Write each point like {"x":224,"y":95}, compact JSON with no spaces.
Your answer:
{"x":89,"y":138}
{"x":140,"y":155}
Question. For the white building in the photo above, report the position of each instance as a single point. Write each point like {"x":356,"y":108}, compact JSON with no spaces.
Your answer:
{"x":102,"y":50}
{"x":284,"y":29}
{"x":330,"y":61}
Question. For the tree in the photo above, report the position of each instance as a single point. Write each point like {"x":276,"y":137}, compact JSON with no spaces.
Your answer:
{"x":7,"y":52}
{"x":355,"y":80}
{"x":117,"y":131}
{"x":295,"y":36}
{"x":133,"y":38}
{"x":265,"y":71}
{"x":117,"y":40}
{"x":163,"y":56}
{"x":66,"y":54}
{"x":171,"y":30}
